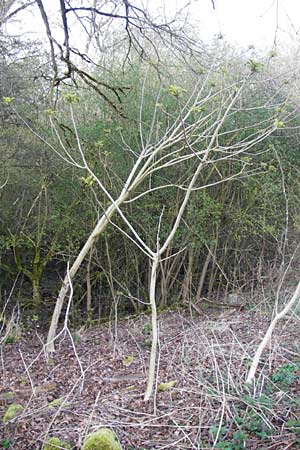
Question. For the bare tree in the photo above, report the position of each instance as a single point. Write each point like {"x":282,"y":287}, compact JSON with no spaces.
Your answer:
{"x":10,"y":8}
{"x":194,"y":132}
{"x":98,"y":21}
{"x":184,"y":140}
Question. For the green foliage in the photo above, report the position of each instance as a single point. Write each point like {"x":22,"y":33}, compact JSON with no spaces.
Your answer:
{"x":7,"y":100}
{"x":103,"y":439}
{"x":286,"y":374}
{"x":50,"y":112}
{"x":71,"y":97}
{"x":263,"y":400}
{"x":5,"y":443}
{"x":238,"y":441}
{"x":294,"y":425}
{"x":176,"y":91}
{"x":203,"y":217}
{"x":241,"y":220}
{"x":256,"y":426}
{"x":216,"y":429}
{"x":147,"y":329}
{"x":249,"y":423}
{"x":11,"y":339}
{"x":88,"y":180}
{"x":255,"y":66}
{"x":278,"y":123}
{"x":147,"y":343}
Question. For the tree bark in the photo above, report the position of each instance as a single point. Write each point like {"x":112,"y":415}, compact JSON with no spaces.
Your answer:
{"x":152,"y":363}
{"x":99,"y":228}
{"x":36,"y":295}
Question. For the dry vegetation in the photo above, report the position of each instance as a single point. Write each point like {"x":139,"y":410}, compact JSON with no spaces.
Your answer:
{"x":207,"y":356}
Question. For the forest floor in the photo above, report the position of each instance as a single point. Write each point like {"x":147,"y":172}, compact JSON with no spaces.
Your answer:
{"x":102,"y":384}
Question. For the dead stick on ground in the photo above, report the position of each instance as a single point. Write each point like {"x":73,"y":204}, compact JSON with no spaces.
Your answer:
{"x":267,"y":336}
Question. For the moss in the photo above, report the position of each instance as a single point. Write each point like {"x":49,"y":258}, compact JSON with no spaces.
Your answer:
{"x":128,"y":360}
{"x":55,"y":443}
{"x":12,"y":412}
{"x":56,"y":402}
{"x":103,"y":439}
{"x":165,"y":386}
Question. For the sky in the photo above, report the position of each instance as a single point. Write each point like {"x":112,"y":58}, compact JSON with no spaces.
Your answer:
{"x":246,"y":22}
{"x":257,"y":22}
{"x":240,"y":22}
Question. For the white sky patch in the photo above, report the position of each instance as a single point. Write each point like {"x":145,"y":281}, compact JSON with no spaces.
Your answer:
{"x":241,"y":22}
{"x":258,"y":22}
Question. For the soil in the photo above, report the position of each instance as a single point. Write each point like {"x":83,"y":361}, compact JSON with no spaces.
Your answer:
{"x":101,"y":375}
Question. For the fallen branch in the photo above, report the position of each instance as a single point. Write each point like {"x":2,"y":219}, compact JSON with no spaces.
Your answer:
{"x":267,"y":336}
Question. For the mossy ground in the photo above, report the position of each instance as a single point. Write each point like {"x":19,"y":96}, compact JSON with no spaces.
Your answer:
{"x":11,"y":412}
{"x":103,"y":439}
{"x":55,"y":443}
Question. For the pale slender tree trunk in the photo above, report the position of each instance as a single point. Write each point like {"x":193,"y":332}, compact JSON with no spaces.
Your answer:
{"x":99,"y":228}
{"x":160,"y":251}
{"x":152,"y":363}
{"x":155,"y":261}
{"x":267,"y":336}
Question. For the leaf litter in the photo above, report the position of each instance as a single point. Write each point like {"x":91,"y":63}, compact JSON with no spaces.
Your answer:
{"x":205,"y":361}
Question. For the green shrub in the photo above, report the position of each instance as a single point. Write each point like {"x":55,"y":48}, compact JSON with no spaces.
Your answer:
{"x":286,"y":374}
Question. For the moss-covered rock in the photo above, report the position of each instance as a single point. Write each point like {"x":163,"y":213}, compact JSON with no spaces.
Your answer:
{"x":55,"y":443}
{"x":11,"y":412}
{"x":103,"y":439}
